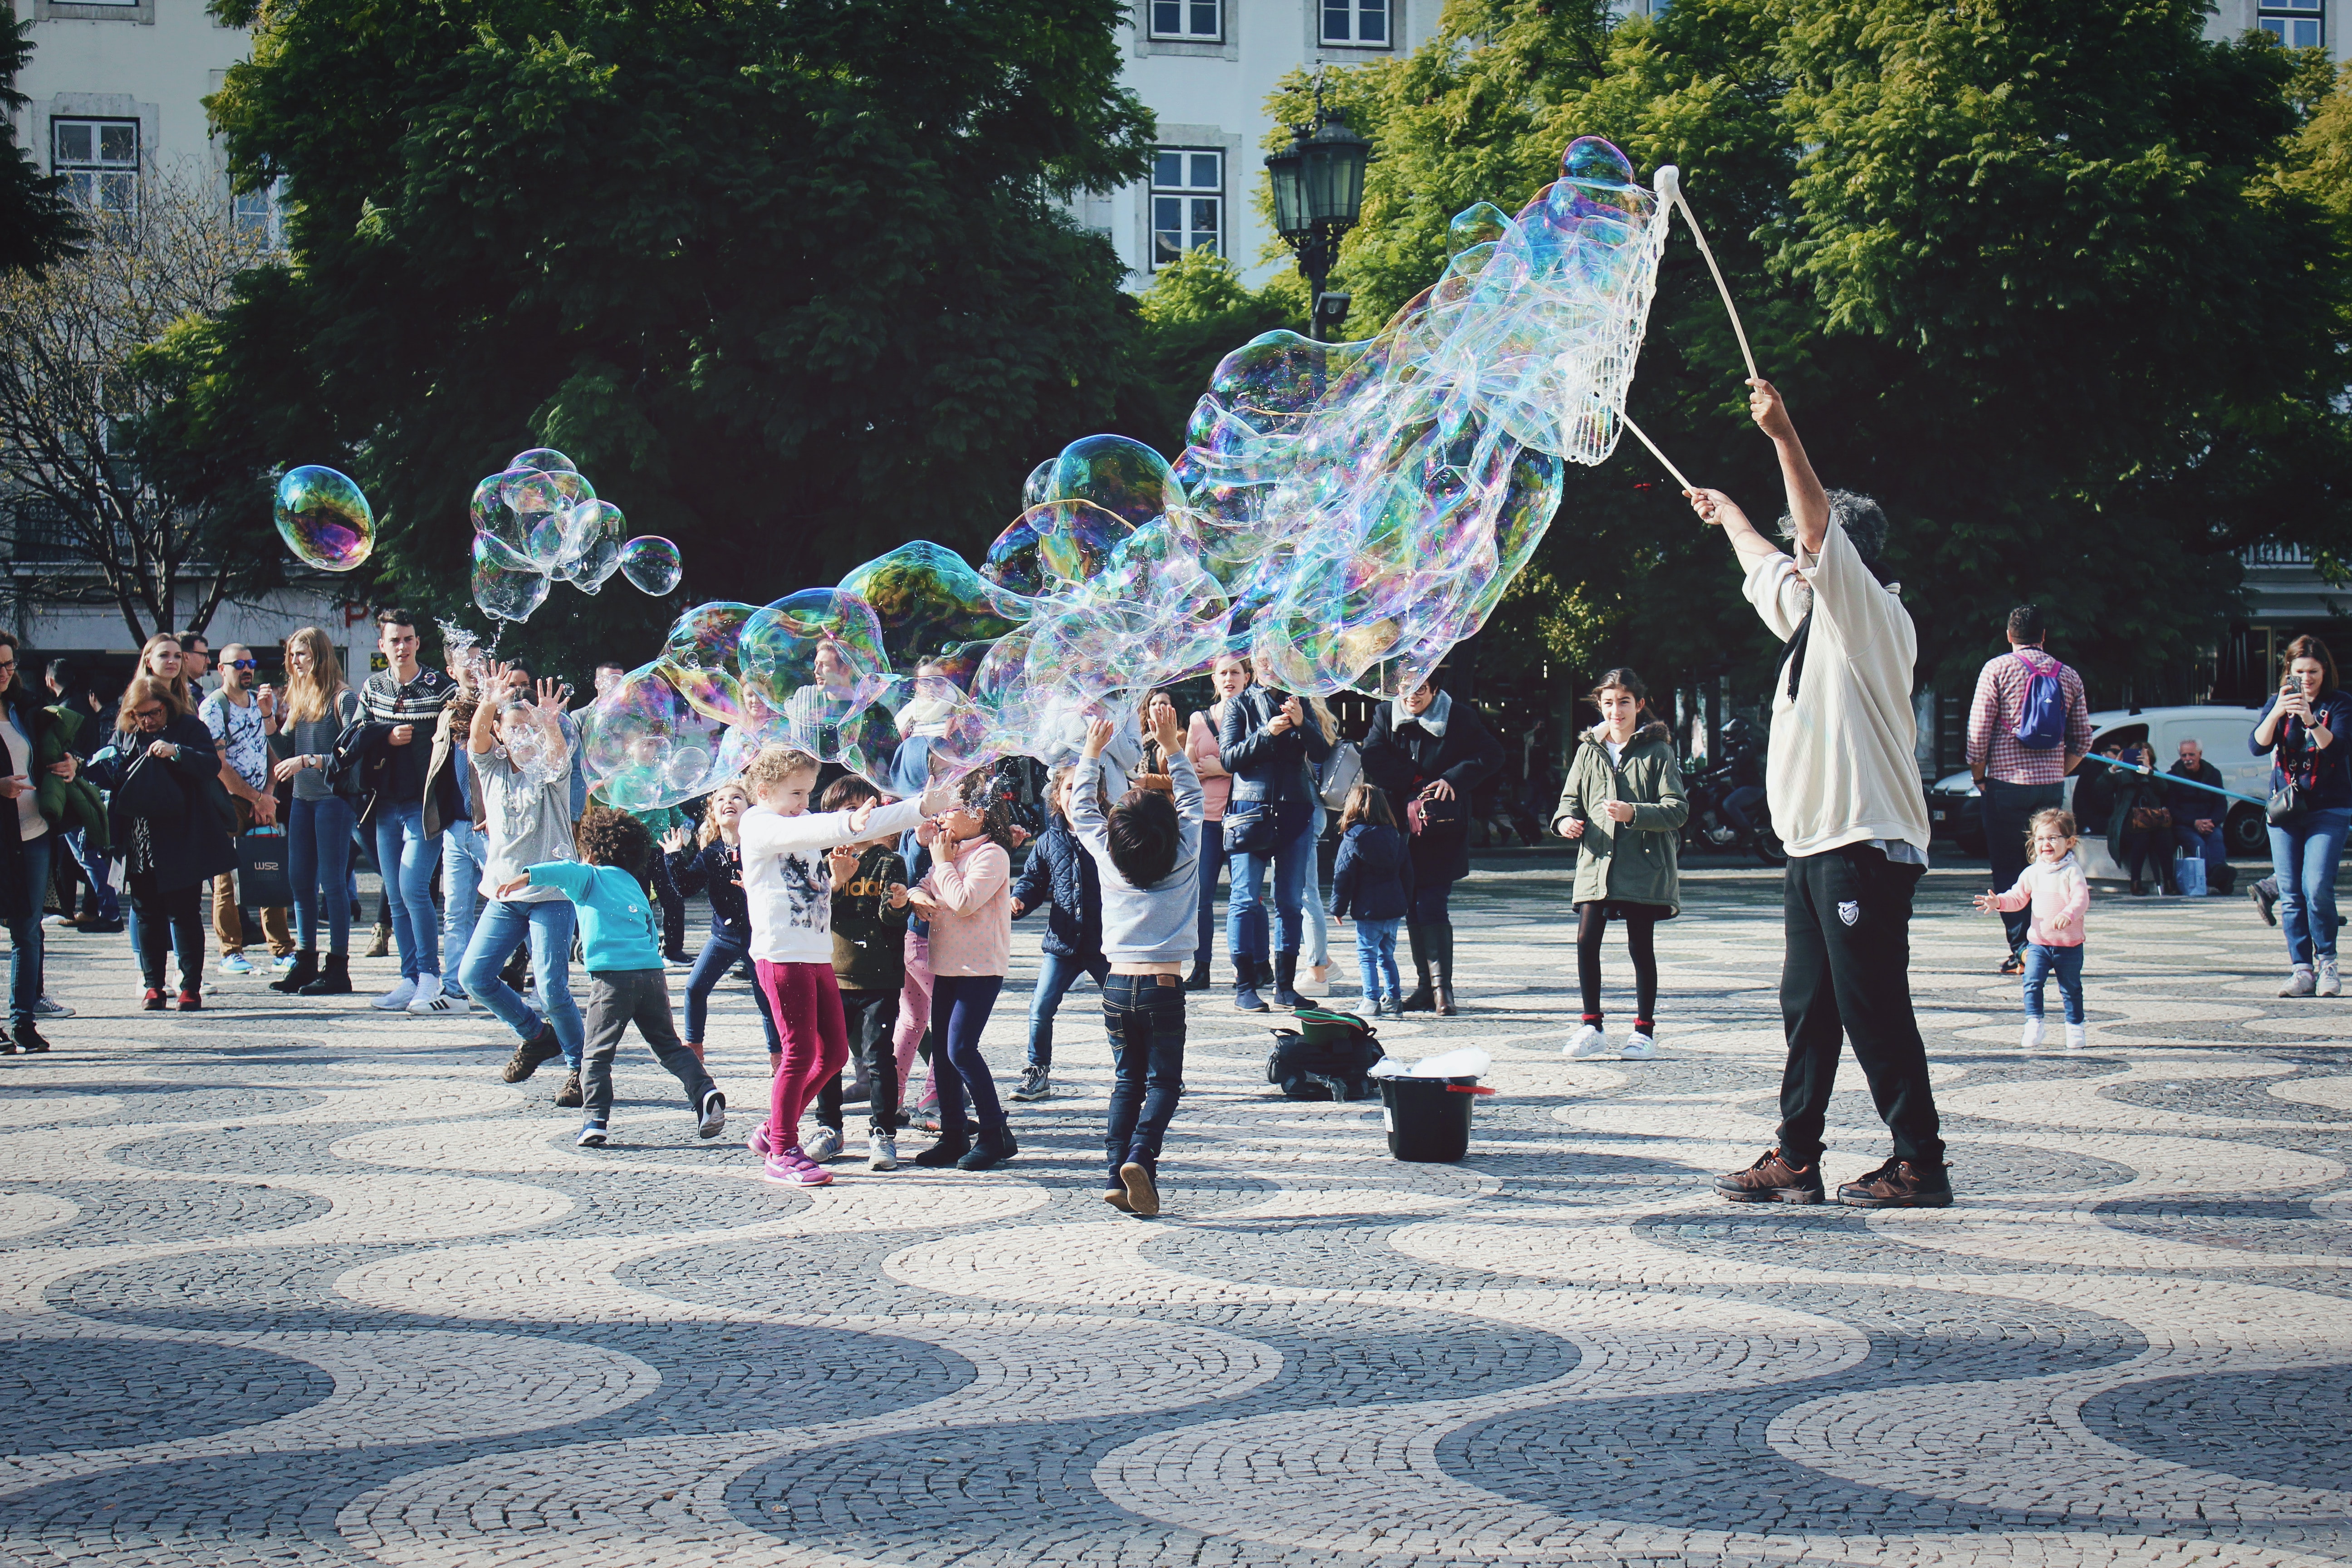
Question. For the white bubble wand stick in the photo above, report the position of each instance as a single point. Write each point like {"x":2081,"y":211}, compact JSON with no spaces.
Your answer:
{"x":1668,"y":183}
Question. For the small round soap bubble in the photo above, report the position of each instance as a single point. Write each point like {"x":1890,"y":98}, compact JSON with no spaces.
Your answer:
{"x":324,"y":518}
{"x":651,"y":563}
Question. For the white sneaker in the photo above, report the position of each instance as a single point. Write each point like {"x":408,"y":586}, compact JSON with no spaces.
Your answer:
{"x":1640,"y":1047}
{"x":2077,"y":1037}
{"x":1589,"y":1042}
{"x":2331,"y":983}
{"x":429,"y":997}
{"x":2030,"y":1039}
{"x":821,"y":1145}
{"x":712,"y":1118}
{"x":882,"y":1151}
{"x":2301,"y":982}
{"x":593,"y":1135}
{"x":397,"y":999}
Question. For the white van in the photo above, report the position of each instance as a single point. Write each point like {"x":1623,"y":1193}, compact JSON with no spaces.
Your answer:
{"x":2223,"y":732}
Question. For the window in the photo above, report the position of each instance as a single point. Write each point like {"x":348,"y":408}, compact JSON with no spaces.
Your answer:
{"x":1202,"y":21}
{"x":1188,"y":202}
{"x":2295,"y":24}
{"x":255,"y":212}
{"x":100,"y":159}
{"x":1356,"y":22}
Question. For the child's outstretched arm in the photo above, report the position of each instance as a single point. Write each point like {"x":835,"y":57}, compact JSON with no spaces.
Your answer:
{"x":568,"y":878}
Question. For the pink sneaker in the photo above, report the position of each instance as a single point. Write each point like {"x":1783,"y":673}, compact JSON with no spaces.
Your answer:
{"x":758,"y":1141}
{"x":785,"y":1172}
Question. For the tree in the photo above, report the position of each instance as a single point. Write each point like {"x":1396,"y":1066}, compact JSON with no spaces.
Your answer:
{"x":2004,"y":261}
{"x":38,"y":224}
{"x":1196,"y":311}
{"x":789,"y":281}
{"x":89,"y":512}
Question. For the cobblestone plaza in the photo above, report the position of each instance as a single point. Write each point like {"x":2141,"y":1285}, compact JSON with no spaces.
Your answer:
{"x":308,"y":1284}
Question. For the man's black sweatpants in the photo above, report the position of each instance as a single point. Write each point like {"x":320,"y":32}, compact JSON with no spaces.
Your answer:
{"x":1847,"y":975}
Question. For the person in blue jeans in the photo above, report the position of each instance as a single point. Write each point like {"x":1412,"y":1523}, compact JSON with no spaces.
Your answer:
{"x":1372,"y":883}
{"x":316,"y":710}
{"x":526,"y":815}
{"x":1061,"y":877}
{"x":402,"y":703}
{"x":2303,"y":731}
{"x":710,"y":862}
{"x":27,"y":844}
{"x":1271,"y":747}
{"x":1147,"y":856}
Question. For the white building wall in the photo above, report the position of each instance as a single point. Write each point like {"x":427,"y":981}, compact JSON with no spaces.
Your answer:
{"x":1212,"y":96}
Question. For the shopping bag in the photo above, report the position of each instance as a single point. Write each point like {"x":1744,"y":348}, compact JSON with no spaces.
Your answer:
{"x":262,"y":882}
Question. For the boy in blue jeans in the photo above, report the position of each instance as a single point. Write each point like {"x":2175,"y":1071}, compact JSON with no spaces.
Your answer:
{"x":1148,"y":853}
{"x":626,"y":983}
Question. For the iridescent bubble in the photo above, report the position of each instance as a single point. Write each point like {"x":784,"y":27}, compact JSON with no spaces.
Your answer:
{"x":324,"y":518}
{"x":503,"y":592}
{"x":592,"y":535}
{"x":543,"y":459}
{"x":1126,"y":478}
{"x":651,"y":563}
{"x":928,"y":602}
{"x":508,"y":530}
{"x":1344,"y":512}
{"x":644,"y":746}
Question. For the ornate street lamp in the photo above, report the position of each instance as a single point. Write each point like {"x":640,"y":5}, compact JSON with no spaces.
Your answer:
{"x":1319,"y":194}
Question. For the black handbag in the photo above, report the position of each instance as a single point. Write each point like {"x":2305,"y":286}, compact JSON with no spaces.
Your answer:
{"x":2285,"y":807}
{"x":1249,"y":826}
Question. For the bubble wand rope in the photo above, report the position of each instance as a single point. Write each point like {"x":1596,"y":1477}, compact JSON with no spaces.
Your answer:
{"x":1668,"y":183}
{"x":1627,"y":421}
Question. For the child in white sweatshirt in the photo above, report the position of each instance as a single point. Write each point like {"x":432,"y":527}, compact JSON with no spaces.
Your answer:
{"x":788,"y":891}
{"x":2053,"y":884}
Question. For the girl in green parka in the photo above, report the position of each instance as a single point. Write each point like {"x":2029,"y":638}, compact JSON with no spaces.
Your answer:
{"x":1623,"y":805}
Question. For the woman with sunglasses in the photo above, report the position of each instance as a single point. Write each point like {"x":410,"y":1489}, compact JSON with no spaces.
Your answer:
{"x":165,"y":818}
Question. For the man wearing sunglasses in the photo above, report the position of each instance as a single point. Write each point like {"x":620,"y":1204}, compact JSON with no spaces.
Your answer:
{"x":240,"y":721}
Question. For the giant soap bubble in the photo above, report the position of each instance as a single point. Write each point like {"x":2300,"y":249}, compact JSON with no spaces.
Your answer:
{"x":324,"y":518}
{"x":1344,"y":513}
{"x":651,"y":563}
{"x":645,"y":746}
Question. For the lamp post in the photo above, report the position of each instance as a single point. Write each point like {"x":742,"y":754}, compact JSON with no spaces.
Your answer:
{"x":1319,"y":194}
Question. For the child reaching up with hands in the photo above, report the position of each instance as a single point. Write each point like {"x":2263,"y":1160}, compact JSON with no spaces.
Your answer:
{"x":788,"y":888}
{"x":2053,"y":883}
{"x":870,"y":907}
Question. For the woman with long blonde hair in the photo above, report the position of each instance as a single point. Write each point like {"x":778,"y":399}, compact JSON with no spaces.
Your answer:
{"x":319,"y":708}
{"x":162,"y":657}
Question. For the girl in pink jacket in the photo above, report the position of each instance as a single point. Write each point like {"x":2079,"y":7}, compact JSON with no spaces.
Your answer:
{"x":968,"y":899}
{"x":2053,"y":883}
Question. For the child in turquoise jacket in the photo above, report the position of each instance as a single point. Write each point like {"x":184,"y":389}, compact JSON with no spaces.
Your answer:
{"x":626,"y":983}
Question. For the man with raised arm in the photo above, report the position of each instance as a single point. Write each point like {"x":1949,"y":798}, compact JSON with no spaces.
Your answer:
{"x":1843,"y":787}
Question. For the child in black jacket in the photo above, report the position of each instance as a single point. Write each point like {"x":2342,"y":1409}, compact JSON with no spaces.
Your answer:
{"x":1061,"y":876}
{"x":1371,"y":882}
{"x":869,"y":964}
{"x":711,"y":864}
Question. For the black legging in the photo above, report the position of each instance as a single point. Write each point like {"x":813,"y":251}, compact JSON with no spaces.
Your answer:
{"x":173,"y":918}
{"x":1641,"y":926}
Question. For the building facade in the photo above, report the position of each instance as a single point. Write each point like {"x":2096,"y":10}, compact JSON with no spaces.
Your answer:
{"x":117,"y":90}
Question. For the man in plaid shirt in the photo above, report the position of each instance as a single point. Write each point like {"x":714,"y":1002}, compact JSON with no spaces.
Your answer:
{"x":2014,"y":780}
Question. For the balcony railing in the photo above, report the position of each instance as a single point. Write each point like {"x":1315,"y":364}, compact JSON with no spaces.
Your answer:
{"x":2271,"y":552}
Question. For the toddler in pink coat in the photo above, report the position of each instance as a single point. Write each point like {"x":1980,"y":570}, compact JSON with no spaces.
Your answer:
{"x":2053,"y":883}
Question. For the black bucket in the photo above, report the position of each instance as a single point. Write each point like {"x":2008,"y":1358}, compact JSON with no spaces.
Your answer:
{"x":1428,"y":1119}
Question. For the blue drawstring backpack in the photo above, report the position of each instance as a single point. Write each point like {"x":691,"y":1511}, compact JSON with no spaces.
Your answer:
{"x":2042,"y":716}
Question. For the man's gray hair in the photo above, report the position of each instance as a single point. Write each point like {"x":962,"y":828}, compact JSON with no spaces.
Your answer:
{"x":1861,"y":518}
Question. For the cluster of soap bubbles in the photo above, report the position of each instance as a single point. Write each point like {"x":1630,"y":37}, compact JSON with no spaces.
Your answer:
{"x":1343,"y":513}
{"x":538,"y":522}
{"x":324,"y":518}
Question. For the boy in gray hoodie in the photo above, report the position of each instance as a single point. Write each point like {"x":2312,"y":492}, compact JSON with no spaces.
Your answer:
{"x":1148,"y":852}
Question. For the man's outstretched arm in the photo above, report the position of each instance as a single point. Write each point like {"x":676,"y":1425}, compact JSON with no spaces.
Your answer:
{"x":1807,"y":502}
{"x":1720,"y":510}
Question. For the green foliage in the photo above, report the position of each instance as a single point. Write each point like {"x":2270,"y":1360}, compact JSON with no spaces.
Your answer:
{"x":2006,"y":261}
{"x":38,"y":223}
{"x":786,"y":280}
{"x":1196,"y":311}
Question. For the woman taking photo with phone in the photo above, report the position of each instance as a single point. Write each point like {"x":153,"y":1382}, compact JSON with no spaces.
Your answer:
{"x":1270,"y":744}
{"x":2302,"y":730}
{"x":1429,"y":751}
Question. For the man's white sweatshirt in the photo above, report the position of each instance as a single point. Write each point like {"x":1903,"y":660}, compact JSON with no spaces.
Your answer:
{"x":1843,"y":767}
{"x":788,"y":887}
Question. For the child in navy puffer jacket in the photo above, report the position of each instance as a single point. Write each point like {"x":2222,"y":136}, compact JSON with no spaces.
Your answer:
{"x":1372,"y":883}
{"x":1060,"y":875}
